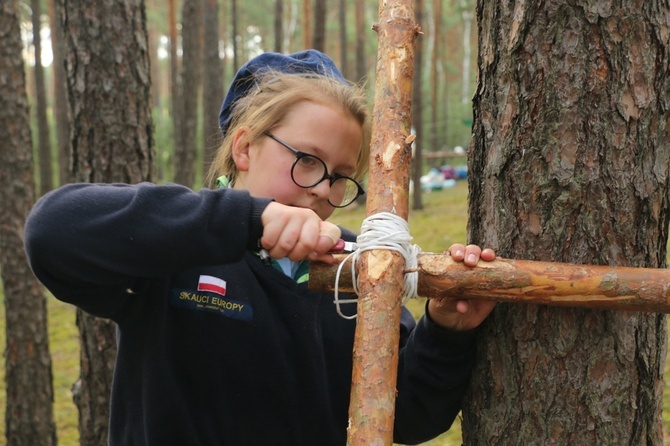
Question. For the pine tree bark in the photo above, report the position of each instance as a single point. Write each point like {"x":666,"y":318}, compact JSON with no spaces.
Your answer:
{"x":212,"y":83}
{"x":570,"y":162}
{"x":109,"y":85}
{"x":29,"y":414}
{"x":191,"y":69}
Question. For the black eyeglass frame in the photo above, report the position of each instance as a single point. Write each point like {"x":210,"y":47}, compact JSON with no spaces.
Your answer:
{"x":326,"y":176}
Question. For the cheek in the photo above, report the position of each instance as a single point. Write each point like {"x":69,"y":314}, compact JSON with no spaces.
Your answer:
{"x":325,"y":213}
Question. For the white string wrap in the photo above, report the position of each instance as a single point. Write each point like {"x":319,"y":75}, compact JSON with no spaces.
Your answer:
{"x":384,"y":230}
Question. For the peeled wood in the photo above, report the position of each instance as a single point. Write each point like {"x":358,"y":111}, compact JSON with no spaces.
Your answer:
{"x":375,"y":356}
{"x":527,"y":281}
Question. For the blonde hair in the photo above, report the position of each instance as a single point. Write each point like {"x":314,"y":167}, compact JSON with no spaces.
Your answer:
{"x":266,"y":106}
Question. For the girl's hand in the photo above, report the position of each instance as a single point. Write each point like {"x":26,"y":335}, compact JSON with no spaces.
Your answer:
{"x":463,"y":314}
{"x":297,"y":233}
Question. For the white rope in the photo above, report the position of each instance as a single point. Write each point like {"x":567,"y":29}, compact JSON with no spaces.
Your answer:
{"x":382,"y":231}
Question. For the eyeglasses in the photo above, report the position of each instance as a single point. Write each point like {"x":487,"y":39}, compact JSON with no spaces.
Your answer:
{"x":309,"y":170}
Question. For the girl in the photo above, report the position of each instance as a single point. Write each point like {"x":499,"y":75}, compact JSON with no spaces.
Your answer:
{"x":217,"y":343}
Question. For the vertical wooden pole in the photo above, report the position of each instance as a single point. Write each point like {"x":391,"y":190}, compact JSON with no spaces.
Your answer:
{"x":375,"y":360}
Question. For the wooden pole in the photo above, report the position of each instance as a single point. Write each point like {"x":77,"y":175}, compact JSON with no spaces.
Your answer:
{"x":527,"y":281}
{"x":381,"y":272}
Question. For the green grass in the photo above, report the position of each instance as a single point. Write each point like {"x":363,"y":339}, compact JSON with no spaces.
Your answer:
{"x":441,"y":223}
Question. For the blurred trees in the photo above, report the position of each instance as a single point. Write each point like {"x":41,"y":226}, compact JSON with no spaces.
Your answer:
{"x":180,"y":62}
{"x":29,"y":412}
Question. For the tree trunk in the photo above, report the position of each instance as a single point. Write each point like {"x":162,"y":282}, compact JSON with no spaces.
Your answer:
{"x":61,"y":110}
{"x":359,"y":16}
{"x":175,"y":85}
{"x":570,"y":162}
{"x":29,"y":414}
{"x":279,"y":26}
{"x":417,"y":111}
{"x":234,"y":31}
{"x":319,"y":42}
{"x":307,"y":23}
{"x":107,"y":63}
{"x":212,"y":83}
{"x":342,"y":21}
{"x":467,"y":14}
{"x":435,"y":124}
{"x":43,"y":143}
{"x":185,"y":150}
{"x":155,"y":73}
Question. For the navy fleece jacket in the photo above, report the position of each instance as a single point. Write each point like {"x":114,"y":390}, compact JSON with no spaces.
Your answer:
{"x":258,"y":359}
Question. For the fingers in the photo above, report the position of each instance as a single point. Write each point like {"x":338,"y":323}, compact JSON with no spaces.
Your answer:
{"x":471,"y":254}
{"x":459,"y":314}
{"x":296,"y":233}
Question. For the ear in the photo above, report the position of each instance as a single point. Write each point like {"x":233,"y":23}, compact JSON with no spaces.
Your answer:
{"x":241,"y":148}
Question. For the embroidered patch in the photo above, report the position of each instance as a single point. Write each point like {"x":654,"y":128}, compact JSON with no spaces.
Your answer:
{"x":211,"y":302}
{"x":212,"y":284}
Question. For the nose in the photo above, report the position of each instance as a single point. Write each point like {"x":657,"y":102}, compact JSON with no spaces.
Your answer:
{"x":321,"y":189}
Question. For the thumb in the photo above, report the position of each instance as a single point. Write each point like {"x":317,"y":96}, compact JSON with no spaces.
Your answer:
{"x":329,"y":234}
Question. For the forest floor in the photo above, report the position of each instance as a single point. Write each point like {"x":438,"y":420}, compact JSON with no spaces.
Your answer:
{"x":441,"y":222}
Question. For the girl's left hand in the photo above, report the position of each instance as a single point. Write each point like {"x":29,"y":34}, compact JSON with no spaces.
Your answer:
{"x":463,"y":314}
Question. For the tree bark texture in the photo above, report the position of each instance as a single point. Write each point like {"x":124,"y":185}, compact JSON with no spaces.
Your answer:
{"x":29,"y":418}
{"x":570,"y":162}
{"x":61,"y":110}
{"x":212,"y":83}
{"x":191,"y":69}
{"x":109,"y":91}
{"x":375,"y":358}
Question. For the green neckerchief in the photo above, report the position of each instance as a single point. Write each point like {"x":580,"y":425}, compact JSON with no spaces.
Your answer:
{"x":302,"y":272}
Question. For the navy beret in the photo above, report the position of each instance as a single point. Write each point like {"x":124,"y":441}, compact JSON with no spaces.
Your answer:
{"x":303,"y":62}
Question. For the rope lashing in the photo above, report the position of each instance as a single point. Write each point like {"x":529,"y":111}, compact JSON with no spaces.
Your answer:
{"x":384,"y":230}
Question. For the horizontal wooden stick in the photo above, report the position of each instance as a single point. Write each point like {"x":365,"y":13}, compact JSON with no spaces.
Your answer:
{"x":546,"y":283}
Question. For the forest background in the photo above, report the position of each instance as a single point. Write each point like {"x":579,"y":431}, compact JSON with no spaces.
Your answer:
{"x":223,"y":35}
{"x":444,"y":74}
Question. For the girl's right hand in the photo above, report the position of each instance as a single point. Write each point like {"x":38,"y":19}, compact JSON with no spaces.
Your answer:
{"x":297,"y":233}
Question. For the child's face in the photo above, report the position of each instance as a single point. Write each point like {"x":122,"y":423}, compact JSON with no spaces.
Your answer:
{"x":322,"y":130}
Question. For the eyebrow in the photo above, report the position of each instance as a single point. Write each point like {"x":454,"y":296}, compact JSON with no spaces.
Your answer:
{"x":318,"y":152}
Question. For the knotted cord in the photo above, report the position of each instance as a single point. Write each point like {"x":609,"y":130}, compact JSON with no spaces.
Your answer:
{"x":384,"y":230}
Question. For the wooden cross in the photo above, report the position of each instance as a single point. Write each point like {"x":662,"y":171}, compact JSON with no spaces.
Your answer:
{"x":381,"y":272}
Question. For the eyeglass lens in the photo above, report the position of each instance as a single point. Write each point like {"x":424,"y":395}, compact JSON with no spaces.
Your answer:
{"x":309,"y":170}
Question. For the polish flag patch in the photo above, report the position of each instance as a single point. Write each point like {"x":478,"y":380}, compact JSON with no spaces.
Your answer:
{"x":212,"y":284}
